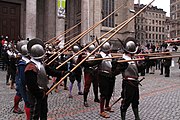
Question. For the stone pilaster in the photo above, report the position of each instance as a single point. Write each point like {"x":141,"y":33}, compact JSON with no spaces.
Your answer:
{"x":50,"y":19}
{"x":31,"y":18}
{"x":97,"y":5}
{"x":123,"y":14}
{"x":85,"y":15}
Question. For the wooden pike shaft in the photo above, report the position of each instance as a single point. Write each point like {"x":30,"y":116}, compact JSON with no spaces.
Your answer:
{"x":151,"y":58}
{"x":89,"y":45}
{"x":72,"y":40}
{"x":120,"y":55}
{"x":84,"y":33}
{"x":98,"y":47}
{"x":104,"y":58}
{"x":160,"y":53}
{"x":65,"y":32}
{"x":57,"y":41}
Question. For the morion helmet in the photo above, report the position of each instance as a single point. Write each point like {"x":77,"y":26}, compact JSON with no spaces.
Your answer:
{"x":75,"y":48}
{"x":130,"y":46}
{"x":91,"y":48}
{"x":106,"y":47}
{"x":22,"y":47}
{"x":36,"y":48}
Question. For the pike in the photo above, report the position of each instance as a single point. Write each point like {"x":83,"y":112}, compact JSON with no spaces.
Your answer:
{"x":65,"y":32}
{"x":129,"y":20}
{"x":83,"y":34}
{"x":151,"y":58}
{"x":120,"y":55}
{"x":95,"y":40}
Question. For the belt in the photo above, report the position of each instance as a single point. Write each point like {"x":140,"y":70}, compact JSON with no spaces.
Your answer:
{"x":105,"y":71}
{"x":41,"y":88}
{"x":129,"y":78}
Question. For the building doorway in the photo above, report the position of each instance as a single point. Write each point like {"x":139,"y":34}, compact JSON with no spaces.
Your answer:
{"x":10,"y":20}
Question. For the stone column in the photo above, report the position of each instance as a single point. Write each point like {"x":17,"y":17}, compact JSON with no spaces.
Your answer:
{"x":31,"y":18}
{"x":97,"y":16}
{"x":50,"y":19}
{"x":123,"y":14}
{"x":85,"y":15}
{"x":94,"y":17}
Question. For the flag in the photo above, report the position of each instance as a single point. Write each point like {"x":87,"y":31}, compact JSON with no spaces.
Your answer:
{"x":61,"y":8}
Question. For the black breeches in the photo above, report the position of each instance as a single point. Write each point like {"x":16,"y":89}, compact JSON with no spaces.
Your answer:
{"x":39,"y":107}
{"x":130,"y":94}
{"x":106,"y":86}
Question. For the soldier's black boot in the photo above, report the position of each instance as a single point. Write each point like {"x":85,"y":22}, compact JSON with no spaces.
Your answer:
{"x":136,"y":113}
{"x":7,"y":79}
{"x":123,"y":115}
{"x":85,"y":99}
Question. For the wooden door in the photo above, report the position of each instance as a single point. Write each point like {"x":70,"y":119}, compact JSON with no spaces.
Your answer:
{"x":10,"y":20}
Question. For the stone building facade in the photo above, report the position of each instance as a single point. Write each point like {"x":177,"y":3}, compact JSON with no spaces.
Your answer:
{"x":150,"y":25}
{"x":39,"y":18}
{"x":175,"y":18}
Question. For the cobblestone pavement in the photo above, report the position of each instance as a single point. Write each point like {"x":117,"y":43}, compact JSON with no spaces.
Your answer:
{"x":159,"y":100}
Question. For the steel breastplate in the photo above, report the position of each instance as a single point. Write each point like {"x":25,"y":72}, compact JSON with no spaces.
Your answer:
{"x":131,"y":71}
{"x":42,"y":79}
{"x":106,"y":64}
{"x":74,"y":60}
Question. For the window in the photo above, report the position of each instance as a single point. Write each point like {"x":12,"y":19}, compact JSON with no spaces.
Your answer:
{"x":156,"y":36}
{"x":146,"y":28}
{"x":149,"y":36}
{"x":152,"y":21}
{"x":142,"y":36}
{"x":156,"y":29}
{"x":159,"y":22}
{"x":149,"y":28}
{"x":159,"y":29}
{"x":156,"y":22}
{"x":152,"y":36}
{"x":163,"y":29}
{"x":107,"y":8}
{"x":146,"y":36}
{"x":153,"y":28}
{"x":160,"y":36}
{"x":159,"y":15}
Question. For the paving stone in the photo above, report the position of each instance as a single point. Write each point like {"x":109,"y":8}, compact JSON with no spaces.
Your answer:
{"x":159,"y":100}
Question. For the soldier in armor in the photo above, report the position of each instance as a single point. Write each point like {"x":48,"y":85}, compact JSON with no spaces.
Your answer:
{"x":130,"y":83}
{"x":90,"y":76}
{"x":37,"y":81}
{"x":63,"y":68}
{"x":76,"y":74}
{"x":106,"y":80}
{"x":21,"y":91}
{"x":11,"y":66}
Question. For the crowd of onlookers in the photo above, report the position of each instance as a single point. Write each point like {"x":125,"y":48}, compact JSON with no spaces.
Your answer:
{"x":163,"y":64}
{"x":8,"y":58}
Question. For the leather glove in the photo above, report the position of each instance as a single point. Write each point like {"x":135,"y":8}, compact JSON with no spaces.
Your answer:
{"x":118,"y":67}
{"x":146,"y":59}
{"x":123,"y":65}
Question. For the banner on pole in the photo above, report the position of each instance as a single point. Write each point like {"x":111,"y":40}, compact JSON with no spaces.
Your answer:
{"x":61,"y":8}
